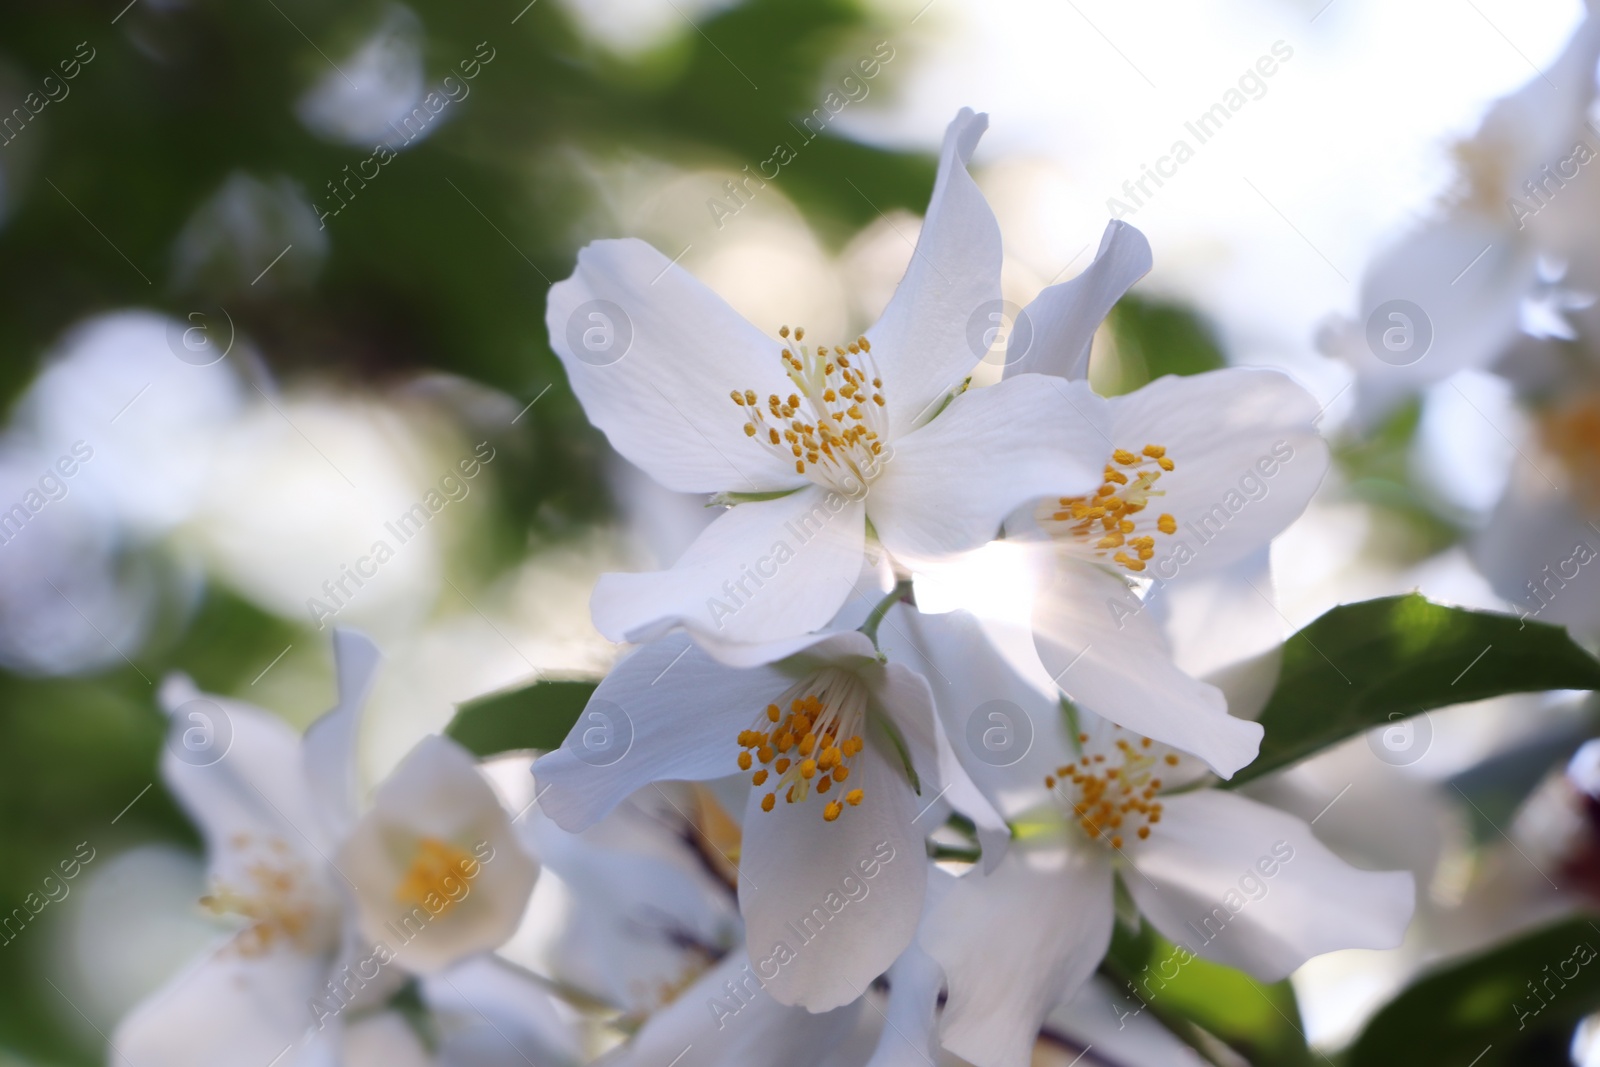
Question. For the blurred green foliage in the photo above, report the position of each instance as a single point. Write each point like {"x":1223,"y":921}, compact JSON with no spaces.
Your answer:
{"x":440,"y":264}
{"x":537,"y":716}
{"x":1204,"y":1003}
{"x":1513,"y":1005}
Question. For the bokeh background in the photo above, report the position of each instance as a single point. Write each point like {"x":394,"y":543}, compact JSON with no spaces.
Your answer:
{"x":276,"y":317}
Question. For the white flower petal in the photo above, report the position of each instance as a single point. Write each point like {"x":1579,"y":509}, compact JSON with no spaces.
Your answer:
{"x":1108,"y":655}
{"x":227,"y":1010}
{"x":667,"y":711}
{"x":384,"y":1039}
{"x":710,"y":1027}
{"x":947,"y":487}
{"x":1063,"y":318}
{"x":653,"y":355}
{"x":763,"y":572}
{"x":1007,"y":733}
{"x":1014,"y":944}
{"x":236,"y":770}
{"x":1247,"y":457}
{"x":921,"y":343}
{"x":1104,"y":1015}
{"x":1467,"y":317}
{"x":329,"y":745}
{"x":1226,"y":630}
{"x":842,"y":898}
{"x":438,"y":872}
{"x":1203,"y":879}
{"x":492,"y":1015}
{"x":907,"y":1038}
{"x":649,"y":904}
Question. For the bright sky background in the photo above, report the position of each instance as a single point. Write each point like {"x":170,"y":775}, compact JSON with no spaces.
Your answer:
{"x":1269,"y":226}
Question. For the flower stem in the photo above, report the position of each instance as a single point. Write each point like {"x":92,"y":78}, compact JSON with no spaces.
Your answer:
{"x":901,"y":592}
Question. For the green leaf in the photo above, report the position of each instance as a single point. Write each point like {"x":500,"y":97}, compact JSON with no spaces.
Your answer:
{"x":1362,"y":665}
{"x":1152,"y":339}
{"x":1204,"y":1003}
{"x":535,"y":716}
{"x":1484,"y":1011}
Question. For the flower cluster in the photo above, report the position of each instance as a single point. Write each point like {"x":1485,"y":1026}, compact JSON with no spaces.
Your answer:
{"x":796,"y":803}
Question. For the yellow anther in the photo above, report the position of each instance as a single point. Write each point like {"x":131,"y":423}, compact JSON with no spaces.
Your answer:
{"x":854,"y":797}
{"x":1124,"y":457}
{"x":808,"y":768}
{"x":759,"y":778}
{"x":840,"y":773}
{"x":832,"y":811}
{"x":768,"y":801}
{"x":823,"y":784}
{"x":744,"y":761}
{"x":1154,"y":451}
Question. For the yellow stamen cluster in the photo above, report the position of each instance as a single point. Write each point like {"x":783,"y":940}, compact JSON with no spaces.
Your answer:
{"x":278,"y":903}
{"x":812,"y":746}
{"x":830,"y":427}
{"x":1106,"y":521}
{"x":1572,"y":431}
{"x":438,"y":869}
{"x":1113,"y":794}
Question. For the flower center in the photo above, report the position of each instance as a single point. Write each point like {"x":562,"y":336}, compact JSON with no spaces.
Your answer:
{"x":1106,"y":521}
{"x":438,"y":869}
{"x":812,"y":746}
{"x":832,"y":427}
{"x":279,"y":901}
{"x":1572,"y":432}
{"x":1111,"y":792}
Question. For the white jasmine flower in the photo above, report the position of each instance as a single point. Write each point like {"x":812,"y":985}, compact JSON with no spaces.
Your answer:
{"x":831,"y":867}
{"x":822,"y":442}
{"x":1204,"y":472}
{"x":1219,"y":875}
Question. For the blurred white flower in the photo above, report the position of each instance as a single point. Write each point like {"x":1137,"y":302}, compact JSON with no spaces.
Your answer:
{"x":334,"y":908}
{"x":1450,"y":295}
{"x":250,"y":235}
{"x":373,"y":87}
{"x":312,"y":488}
{"x":152,"y":408}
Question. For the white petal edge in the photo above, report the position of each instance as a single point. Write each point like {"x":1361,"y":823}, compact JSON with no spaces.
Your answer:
{"x":1247,"y":456}
{"x":836,"y":902}
{"x":666,"y":711}
{"x":922,"y":344}
{"x":1015,"y":943}
{"x":329,"y":746}
{"x":1202,"y":878}
{"x":947,"y":487}
{"x":1109,"y":656}
{"x":762,"y":573}
{"x":1062,"y":320}
{"x":657,"y":380}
